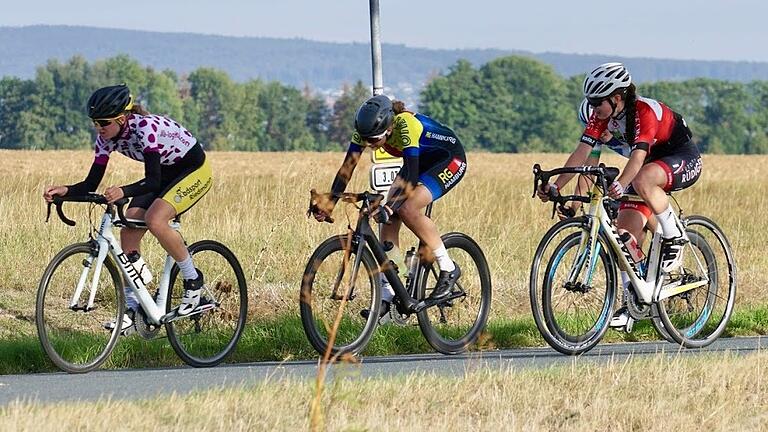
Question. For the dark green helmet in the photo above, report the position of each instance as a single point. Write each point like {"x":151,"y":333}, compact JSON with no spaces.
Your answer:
{"x":374,"y":116}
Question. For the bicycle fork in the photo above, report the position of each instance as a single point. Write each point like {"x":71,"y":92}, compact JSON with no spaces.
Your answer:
{"x":103,"y":248}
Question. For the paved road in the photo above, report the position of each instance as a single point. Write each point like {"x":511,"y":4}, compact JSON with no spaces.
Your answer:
{"x":145,"y":383}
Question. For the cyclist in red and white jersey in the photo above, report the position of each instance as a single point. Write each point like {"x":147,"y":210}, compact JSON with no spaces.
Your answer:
{"x":661,"y":155}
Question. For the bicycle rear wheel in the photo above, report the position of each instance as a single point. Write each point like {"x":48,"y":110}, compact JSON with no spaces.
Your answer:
{"x":326,"y":283}
{"x":454,"y":326}
{"x":697,"y":317}
{"x":211,"y":332}
{"x":75,"y":339}
{"x":572,"y":291}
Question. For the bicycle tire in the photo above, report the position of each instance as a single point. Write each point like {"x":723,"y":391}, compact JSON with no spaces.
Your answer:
{"x":317,"y":298}
{"x":220,"y":279}
{"x":464,"y":330}
{"x":713,"y":318}
{"x":542,"y":306}
{"x":64,"y":337}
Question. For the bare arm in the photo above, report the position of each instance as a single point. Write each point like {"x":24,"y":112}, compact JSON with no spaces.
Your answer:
{"x":636,"y":161}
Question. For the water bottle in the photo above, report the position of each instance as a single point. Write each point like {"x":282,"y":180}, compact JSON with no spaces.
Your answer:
{"x":141,"y":267}
{"x":633,"y":248}
{"x":396,"y":258}
{"x":411,"y":262}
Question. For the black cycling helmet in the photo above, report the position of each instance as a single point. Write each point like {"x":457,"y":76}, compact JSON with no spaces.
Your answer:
{"x":374,"y":116}
{"x":109,"y":102}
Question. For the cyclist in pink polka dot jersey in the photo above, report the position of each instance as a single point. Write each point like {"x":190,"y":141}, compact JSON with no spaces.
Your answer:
{"x":177,"y":176}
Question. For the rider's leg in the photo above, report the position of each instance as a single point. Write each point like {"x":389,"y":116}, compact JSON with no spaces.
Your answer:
{"x":412,"y":214}
{"x":130,"y":238}
{"x":130,"y":241}
{"x":632,"y":220}
{"x":650,"y":184}
{"x":390,"y":233}
{"x":157,"y":217}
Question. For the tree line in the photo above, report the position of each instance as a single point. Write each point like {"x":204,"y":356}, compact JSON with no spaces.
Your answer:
{"x":510,"y":104}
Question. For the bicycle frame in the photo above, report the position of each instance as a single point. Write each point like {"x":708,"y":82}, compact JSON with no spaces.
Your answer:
{"x":649,"y":288}
{"x":364,"y":235}
{"x":107,"y":243}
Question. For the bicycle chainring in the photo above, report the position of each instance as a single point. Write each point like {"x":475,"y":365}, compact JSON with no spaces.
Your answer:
{"x":637,"y":310}
{"x":143,"y":327}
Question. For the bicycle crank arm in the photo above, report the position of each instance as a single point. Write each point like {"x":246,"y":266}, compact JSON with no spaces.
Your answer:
{"x":428,"y":303}
{"x":81,"y":308}
{"x":674,"y":290}
{"x":173,"y":315}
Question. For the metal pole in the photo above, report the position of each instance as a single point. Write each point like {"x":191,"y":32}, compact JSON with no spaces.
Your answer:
{"x":378,"y":81}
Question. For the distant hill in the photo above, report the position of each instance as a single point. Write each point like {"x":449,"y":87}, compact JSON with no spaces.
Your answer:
{"x":299,"y":62}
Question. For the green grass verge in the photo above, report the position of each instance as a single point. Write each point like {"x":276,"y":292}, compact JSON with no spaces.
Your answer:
{"x":283,"y":339}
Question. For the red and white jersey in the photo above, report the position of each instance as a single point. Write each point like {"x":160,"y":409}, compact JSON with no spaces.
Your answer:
{"x":654,"y":124}
{"x":142,"y":134}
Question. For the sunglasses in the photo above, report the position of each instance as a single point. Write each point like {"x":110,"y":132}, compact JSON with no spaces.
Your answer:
{"x":595,"y":102}
{"x":104,"y":122}
{"x":375,"y":139}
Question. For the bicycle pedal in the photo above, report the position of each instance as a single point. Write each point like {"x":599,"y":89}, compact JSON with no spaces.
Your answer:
{"x":170,"y":316}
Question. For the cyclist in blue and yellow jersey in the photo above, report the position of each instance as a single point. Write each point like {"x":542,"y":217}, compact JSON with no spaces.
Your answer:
{"x":176,"y":176}
{"x":434,"y":162}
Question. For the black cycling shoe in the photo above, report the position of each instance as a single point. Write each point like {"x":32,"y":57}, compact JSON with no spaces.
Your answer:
{"x":383,"y":310}
{"x":445,"y":283}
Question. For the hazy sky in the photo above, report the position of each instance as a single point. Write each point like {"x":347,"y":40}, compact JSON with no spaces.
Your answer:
{"x":678,"y":29}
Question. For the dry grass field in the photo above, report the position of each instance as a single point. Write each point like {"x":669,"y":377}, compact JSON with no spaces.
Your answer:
{"x":712,"y":393}
{"x":258,"y":206}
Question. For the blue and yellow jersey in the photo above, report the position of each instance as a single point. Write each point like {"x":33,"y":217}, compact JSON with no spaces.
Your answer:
{"x":413,"y":134}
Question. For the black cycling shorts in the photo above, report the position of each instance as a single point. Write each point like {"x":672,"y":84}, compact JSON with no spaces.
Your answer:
{"x":440,"y":169}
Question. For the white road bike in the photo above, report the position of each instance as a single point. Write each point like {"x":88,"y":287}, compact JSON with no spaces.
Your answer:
{"x":76,"y":297}
{"x":573,"y":281}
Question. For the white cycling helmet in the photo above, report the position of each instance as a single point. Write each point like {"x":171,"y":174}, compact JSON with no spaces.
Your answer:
{"x":605,"y":79}
{"x":585,"y":112}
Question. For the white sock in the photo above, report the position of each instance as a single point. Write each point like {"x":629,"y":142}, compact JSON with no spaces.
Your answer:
{"x":131,"y":301}
{"x":667,"y":221}
{"x":624,"y":280}
{"x":387,"y":292}
{"x":188,"y":271}
{"x":443,"y":260}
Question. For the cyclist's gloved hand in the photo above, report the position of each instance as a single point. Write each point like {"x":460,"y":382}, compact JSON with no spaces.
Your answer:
{"x":566,"y":211}
{"x":606,"y":136}
{"x":616,"y":190}
{"x":543,"y":191}
{"x":321,"y":206}
{"x":382,"y":214}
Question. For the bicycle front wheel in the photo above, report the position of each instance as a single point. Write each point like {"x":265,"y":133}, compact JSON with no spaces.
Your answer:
{"x":336,"y":288}
{"x":697,"y":317}
{"x":72,"y":335}
{"x":210,"y":333}
{"x":572,"y":287}
{"x":455,"y":325}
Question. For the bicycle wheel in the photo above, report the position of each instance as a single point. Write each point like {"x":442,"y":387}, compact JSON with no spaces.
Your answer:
{"x":327,"y":281}
{"x":572,"y":293}
{"x":454,"y":326}
{"x":696,"y":318}
{"x":210,"y":333}
{"x":74,"y":339}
